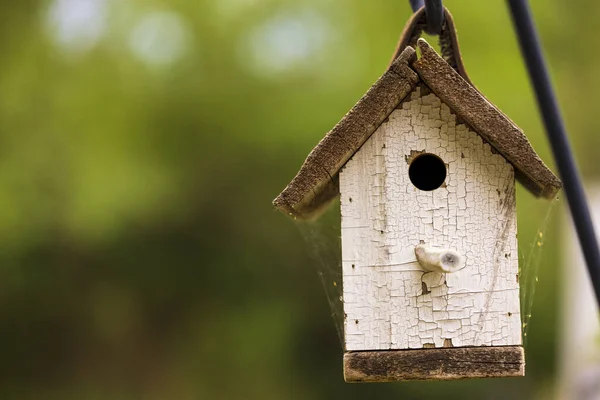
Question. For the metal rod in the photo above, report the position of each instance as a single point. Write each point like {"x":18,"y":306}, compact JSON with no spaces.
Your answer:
{"x":434,"y":11}
{"x":416,"y":5}
{"x":557,"y":135}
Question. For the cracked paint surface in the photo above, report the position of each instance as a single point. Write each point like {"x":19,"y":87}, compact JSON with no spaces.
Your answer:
{"x":390,"y":302}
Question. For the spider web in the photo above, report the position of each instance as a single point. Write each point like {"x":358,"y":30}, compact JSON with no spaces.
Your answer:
{"x":529,"y":263}
{"x":323,"y":241}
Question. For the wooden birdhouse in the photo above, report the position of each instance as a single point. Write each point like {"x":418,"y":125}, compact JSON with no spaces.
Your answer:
{"x":425,"y":167}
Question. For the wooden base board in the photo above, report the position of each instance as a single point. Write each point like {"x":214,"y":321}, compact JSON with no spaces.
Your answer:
{"x":442,"y":364}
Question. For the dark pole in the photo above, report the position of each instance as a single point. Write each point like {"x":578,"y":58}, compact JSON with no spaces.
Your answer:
{"x":416,"y":4}
{"x":434,"y":12}
{"x":557,"y":135}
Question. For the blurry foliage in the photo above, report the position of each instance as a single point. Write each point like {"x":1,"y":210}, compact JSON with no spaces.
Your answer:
{"x":140,"y":149}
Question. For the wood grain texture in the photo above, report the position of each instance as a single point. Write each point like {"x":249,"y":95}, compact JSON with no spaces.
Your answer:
{"x":390,"y":302}
{"x":487,"y":120}
{"x":443,"y":364}
{"x":315,"y":183}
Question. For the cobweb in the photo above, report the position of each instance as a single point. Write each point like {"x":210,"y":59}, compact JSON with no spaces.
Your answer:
{"x":324,"y":243}
{"x":323,"y":239}
{"x":529,"y":263}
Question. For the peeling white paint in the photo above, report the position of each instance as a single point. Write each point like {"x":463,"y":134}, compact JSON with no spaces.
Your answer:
{"x":390,"y":302}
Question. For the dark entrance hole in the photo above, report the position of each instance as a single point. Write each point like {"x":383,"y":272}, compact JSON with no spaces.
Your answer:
{"x":427,"y":172}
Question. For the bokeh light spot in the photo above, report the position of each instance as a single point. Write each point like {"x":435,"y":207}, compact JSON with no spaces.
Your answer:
{"x":77,"y":25}
{"x":159,"y":38}
{"x":287,"y":41}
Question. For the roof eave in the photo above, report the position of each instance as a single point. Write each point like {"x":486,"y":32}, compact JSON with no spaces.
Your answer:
{"x":315,"y":185}
{"x":487,"y":120}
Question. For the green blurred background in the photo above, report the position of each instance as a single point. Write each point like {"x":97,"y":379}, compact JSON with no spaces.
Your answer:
{"x":141,"y":144}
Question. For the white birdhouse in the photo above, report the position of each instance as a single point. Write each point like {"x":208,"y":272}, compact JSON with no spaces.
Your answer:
{"x":425,"y":168}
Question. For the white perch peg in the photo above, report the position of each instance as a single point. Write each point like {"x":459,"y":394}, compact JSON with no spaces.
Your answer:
{"x":436,"y":259}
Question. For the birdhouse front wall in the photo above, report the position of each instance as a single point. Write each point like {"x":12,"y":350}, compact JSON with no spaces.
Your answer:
{"x":390,"y":301}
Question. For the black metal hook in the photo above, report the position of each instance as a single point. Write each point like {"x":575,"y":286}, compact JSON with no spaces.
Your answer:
{"x":434,"y":11}
{"x":416,"y":4}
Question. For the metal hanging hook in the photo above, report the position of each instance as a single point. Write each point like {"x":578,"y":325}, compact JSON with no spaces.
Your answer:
{"x":416,"y":5}
{"x":450,"y":50}
{"x":434,"y":11}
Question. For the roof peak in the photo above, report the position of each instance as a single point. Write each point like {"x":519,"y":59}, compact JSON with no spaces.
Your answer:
{"x":316,"y":183}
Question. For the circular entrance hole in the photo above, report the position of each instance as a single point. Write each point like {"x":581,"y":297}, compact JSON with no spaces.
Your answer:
{"x":427,"y":172}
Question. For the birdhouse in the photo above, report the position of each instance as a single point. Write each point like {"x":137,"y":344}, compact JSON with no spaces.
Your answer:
{"x":425,"y":167}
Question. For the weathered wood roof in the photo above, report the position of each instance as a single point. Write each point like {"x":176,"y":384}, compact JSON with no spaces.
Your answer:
{"x":317,"y":183}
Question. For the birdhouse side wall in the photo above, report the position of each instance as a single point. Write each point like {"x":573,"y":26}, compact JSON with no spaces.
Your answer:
{"x":390,"y":302}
